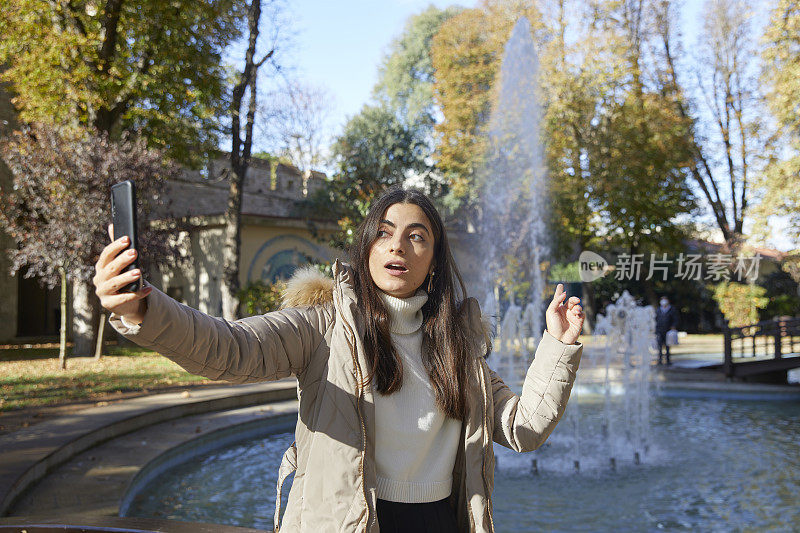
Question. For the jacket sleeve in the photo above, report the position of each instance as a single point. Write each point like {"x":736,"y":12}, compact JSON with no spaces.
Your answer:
{"x":259,"y":348}
{"x":524,"y":422}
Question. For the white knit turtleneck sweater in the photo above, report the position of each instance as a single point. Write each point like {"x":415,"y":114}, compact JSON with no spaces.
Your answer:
{"x":416,"y":442}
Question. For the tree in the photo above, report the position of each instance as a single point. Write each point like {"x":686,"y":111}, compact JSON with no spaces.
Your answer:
{"x":729,"y":138}
{"x":740,"y":302}
{"x":574,"y":84}
{"x":374,"y":152}
{"x":259,"y":297}
{"x":617,"y":151}
{"x":293,"y":121}
{"x":406,"y":88}
{"x":114,"y":66}
{"x":149,"y":68}
{"x":241,"y":149}
{"x":58,"y":209}
{"x":781,"y":77}
{"x":638,"y":161}
{"x":781,"y":70}
{"x":466,"y":54}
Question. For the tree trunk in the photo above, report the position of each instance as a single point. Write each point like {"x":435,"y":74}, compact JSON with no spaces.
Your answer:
{"x":589,"y":309}
{"x":231,"y":248}
{"x":62,"y":344}
{"x":82,"y":330}
{"x":647,"y":284}
{"x":101,"y":326}
{"x":240,"y":161}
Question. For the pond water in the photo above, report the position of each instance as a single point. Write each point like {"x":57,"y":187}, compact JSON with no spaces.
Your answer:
{"x":713,"y":465}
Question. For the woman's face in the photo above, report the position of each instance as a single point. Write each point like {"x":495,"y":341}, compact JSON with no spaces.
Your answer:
{"x":404,"y":239}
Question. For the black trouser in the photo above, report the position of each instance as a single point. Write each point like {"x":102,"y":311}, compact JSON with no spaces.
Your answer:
{"x":662,"y":341}
{"x":433,"y":517}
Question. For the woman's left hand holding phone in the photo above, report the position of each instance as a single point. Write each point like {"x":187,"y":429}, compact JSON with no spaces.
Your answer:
{"x":109,"y":279}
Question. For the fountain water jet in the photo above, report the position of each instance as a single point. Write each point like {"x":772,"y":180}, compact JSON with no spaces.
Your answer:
{"x":513,"y":216}
{"x":514,"y":207}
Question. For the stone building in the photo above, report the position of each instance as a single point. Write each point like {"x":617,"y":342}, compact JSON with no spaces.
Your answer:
{"x":275,"y":239}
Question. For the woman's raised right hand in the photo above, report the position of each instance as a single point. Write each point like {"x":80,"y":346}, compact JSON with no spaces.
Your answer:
{"x":109,"y":279}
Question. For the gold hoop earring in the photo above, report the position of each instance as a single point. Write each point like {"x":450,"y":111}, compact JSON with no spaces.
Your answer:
{"x":430,"y":281}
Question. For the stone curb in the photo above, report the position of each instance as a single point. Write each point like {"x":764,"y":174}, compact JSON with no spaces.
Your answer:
{"x":242,"y":425}
{"x":26,"y":456}
{"x":138,"y":525}
{"x":103,"y":481}
{"x":727,"y":390}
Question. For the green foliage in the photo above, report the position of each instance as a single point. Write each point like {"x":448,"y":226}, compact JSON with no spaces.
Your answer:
{"x":376,"y":149}
{"x":406,"y":75}
{"x":740,"y":302}
{"x":151,"y":66}
{"x":782,"y":292}
{"x":515,"y":279}
{"x":637,"y":170}
{"x":466,"y":54}
{"x":258,"y":297}
{"x":374,"y":152}
{"x":617,"y":148}
{"x":781,"y":77}
{"x":568,"y":272}
{"x":782,"y":64}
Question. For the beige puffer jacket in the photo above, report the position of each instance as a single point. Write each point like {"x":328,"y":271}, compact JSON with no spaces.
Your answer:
{"x":317,"y":336}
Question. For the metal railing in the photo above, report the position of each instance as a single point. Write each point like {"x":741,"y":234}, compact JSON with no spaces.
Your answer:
{"x":766,"y":340}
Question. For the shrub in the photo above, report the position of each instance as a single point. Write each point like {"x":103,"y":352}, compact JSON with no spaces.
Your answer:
{"x":740,"y":302}
{"x":259,"y":297}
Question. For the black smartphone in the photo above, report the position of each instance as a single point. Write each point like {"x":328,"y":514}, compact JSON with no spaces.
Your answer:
{"x":123,"y":214}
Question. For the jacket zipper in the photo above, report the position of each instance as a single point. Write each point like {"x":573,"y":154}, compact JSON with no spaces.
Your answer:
{"x":360,"y":415}
{"x":487,"y":435}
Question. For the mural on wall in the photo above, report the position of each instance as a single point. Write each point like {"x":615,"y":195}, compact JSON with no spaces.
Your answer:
{"x":278,"y":258}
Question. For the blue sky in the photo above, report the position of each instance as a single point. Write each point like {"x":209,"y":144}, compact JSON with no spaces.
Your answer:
{"x":339,"y":45}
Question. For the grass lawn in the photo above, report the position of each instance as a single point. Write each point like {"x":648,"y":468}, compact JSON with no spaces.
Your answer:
{"x":30,"y":377}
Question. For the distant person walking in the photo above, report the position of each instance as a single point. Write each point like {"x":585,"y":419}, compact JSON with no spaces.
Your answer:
{"x":666,"y":319}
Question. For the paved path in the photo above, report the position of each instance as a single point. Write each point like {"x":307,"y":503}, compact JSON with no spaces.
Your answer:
{"x":28,"y":455}
{"x":94,"y":482}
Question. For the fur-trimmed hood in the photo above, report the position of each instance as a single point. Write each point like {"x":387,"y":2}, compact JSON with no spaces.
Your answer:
{"x":309,"y":286}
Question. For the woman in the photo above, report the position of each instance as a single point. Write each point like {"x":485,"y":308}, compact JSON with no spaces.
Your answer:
{"x":397,"y":406}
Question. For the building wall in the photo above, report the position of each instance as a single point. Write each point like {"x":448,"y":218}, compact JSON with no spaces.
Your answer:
{"x":271,"y":250}
{"x":268,"y":192}
{"x":274,"y":239}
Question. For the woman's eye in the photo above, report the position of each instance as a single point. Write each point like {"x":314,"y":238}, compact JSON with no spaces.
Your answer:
{"x":381,"y":231}
{"x":421,"y":238}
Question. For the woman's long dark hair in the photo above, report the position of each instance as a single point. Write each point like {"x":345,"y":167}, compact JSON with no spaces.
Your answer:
{"x":444,"y":341}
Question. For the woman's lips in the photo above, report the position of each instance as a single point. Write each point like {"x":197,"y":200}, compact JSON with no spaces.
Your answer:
{"x":395,"y":272}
